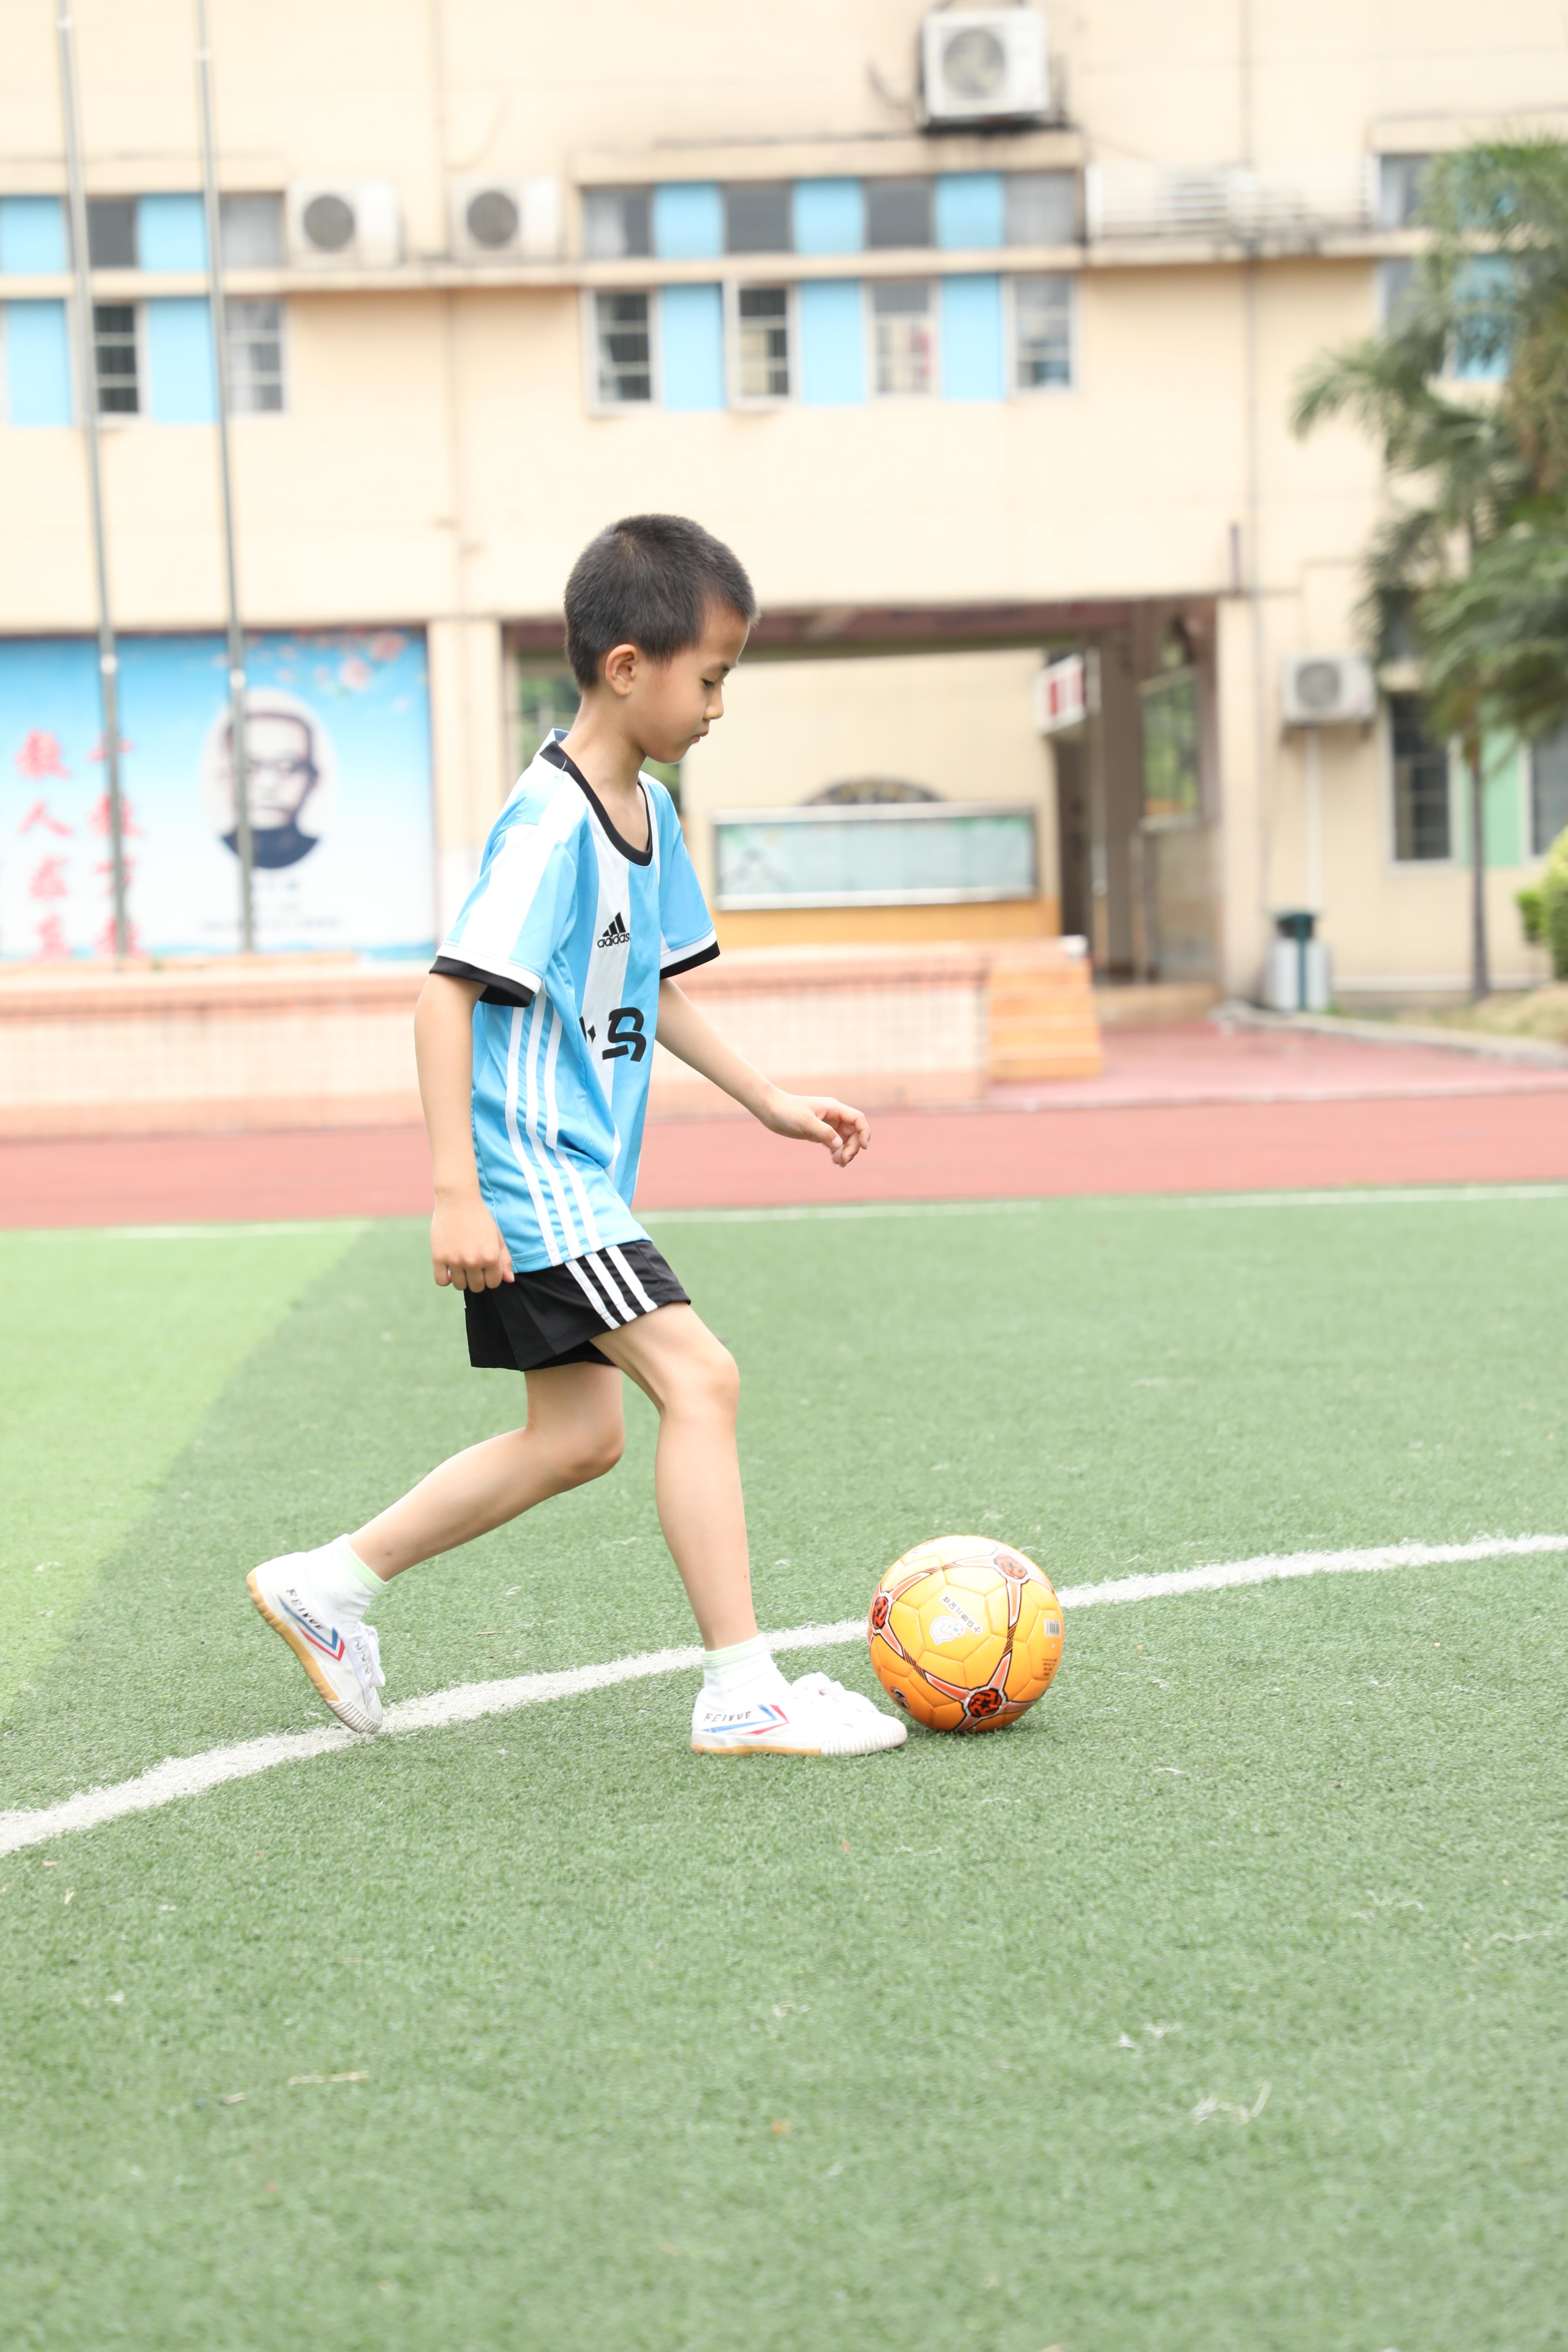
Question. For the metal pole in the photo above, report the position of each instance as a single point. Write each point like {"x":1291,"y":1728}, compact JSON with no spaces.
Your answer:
{"x":1314,"y":813}
{"x":1099,"y":858}
{"x":218,"y":313}
{"x":86,"y":392}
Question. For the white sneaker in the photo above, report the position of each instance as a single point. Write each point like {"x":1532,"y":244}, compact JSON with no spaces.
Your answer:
{"x":344,"y":1667}
{"x":813,"y":1718}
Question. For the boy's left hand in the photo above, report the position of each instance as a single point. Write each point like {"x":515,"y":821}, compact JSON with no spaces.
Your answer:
{"x":819,"y":1118}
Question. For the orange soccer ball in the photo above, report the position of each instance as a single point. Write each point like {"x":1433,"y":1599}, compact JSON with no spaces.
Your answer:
{"x":964,"y":1633}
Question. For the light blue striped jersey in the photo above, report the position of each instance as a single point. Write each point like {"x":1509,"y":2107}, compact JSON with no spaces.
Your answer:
{"x":572,"y":930}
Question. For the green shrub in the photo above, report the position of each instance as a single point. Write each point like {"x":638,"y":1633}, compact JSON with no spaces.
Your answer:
{"x":1554,"y":929}
{"x":1530,"y":915}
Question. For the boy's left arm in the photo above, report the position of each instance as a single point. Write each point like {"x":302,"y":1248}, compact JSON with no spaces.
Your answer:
{"x":810,"y":1119}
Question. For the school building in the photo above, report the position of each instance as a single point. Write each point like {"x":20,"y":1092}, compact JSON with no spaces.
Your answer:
{"x":974,"y":330}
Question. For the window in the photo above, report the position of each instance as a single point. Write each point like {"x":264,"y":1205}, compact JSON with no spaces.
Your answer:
{"x":1548,"y":790}
{"x":762,"y":344}
{"x":1399,"y":179}
{"x":899,"y":213}
{"x":1394,"y":281}
{"x":114,"y":358}
{"x":623,"y":367}
{"x":252,"y":231}
{"x":255,"y":357}
{"x":1042,"y":332}
{"x":904,"y":336}
{"x":1042,"y":208}
{"x":1421,"y":815}
{"x":757,"y":217}
{"x":617,"y":224}
{"x":111,"y":232}
{"x":1482,"y":290}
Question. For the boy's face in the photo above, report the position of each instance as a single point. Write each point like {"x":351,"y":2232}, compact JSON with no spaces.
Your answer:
{"x":667,"y":706}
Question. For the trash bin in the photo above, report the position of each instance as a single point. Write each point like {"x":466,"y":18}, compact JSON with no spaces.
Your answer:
{"x":1298,"y":978}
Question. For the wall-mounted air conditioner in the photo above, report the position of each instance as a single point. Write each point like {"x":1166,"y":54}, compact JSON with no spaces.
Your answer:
{"x":343,"y":224}
{"x":984,"y":65}
{"x":505,"y":220}
{"x":1327,"y":690}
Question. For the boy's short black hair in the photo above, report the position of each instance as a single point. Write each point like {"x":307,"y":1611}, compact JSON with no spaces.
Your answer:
{"x":648,"y":580}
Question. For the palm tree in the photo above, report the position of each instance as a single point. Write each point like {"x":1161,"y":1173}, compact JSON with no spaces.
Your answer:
{"x":1508,"y":619}
{"x":1470,"y":565}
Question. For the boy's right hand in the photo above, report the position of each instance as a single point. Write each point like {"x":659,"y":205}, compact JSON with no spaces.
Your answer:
{"x":467,"y":1251}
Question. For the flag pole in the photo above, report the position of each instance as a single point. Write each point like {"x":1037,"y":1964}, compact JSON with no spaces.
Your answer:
{"x":218,"y":312}
{"x":87,"y":393}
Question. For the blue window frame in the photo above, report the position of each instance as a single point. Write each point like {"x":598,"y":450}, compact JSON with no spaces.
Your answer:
{"x":971,"y":211}
{"x":829,"y":216}
{"x":180,"y":384}
{"x":832,"y":343}
{"x":172,"y":233}
{"x":974,"y":361}
{"x":689,"y":221}
{"x":37,"y":365}
{"x":33,"y":241}
{"x":691,"y":347}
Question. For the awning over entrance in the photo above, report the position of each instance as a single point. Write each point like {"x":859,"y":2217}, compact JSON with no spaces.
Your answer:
{"x":818,"y":629}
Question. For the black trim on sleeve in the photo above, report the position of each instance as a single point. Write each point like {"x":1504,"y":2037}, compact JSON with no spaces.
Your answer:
{"x":558,"y":756}
{"x":703,"y":955}
{"x":497,"y":992}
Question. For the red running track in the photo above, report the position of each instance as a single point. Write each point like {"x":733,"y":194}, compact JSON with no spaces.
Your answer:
{"x":985,"y":1154}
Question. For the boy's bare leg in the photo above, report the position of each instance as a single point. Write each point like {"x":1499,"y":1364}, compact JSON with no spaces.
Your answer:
{"x":574,"y":1431}
{"x":693,"y":1383}
{"x":317,"y":1600}
{"x":745,"y":1707}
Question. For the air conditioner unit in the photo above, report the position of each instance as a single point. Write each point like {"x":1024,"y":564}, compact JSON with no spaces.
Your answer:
{"x":343,"y":224}
{"x":1327,"y":690}
{"x":984,"y":65}
{"x":505,"y":220}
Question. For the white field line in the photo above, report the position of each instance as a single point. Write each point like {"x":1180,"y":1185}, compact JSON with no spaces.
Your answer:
{"x":188,"y":1776}
{"x":1380,"y":1196}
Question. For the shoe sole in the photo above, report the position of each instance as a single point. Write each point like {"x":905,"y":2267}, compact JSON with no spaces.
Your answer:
{"x":345,"y":1710}
{"x":729,"y":1748}
{"x":772,"y":1748}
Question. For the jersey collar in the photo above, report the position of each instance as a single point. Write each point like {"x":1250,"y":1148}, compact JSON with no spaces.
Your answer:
{"x":558,"y":756}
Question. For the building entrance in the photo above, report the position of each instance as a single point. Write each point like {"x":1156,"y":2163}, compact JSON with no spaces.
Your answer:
{"x":1137,"y":799}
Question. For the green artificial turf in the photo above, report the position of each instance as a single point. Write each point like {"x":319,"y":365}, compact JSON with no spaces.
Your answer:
{"x":961,"y":2047}
{"x":115,"y":1346}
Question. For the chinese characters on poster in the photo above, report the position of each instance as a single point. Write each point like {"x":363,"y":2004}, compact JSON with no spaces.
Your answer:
{"x":338,"y":753}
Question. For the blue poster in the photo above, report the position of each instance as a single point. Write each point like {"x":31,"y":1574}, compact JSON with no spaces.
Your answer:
{"x":337,"y":752}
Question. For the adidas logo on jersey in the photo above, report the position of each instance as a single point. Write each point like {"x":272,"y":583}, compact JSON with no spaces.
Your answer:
{"x":614,"y":933}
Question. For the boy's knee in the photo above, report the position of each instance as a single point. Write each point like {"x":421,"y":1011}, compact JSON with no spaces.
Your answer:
{"x":593,"y":1451}
{"x":713,"y":1380}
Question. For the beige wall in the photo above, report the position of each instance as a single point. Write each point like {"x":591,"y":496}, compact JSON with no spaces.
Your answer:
{"x":960,"y":724}
{"x":414,"y":87}
{"x":438,"y":464}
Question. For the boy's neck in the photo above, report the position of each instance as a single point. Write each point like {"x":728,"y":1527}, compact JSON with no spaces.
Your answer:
{"x":607,"y":757}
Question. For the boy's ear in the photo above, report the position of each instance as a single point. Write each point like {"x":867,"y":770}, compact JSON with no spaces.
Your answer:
{"x":620,"y":669}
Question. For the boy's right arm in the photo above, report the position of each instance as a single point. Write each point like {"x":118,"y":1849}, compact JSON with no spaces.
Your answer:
{"x":466,"y":1245}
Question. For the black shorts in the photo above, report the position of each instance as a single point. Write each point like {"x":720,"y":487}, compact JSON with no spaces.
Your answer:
{"x":551,"y":1316}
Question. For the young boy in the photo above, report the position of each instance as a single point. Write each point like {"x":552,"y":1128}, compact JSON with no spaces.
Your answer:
{"x":534,"y":1038}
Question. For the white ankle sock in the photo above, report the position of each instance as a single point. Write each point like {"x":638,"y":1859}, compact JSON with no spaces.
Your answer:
{"x":746,"y":1670}
{"x":341,"y":1578}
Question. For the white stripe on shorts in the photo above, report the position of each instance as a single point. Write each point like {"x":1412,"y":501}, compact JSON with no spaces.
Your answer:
{"x":628,"y":1314}
{"x":574,"y":1268}
{"x":628,"y":1277}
